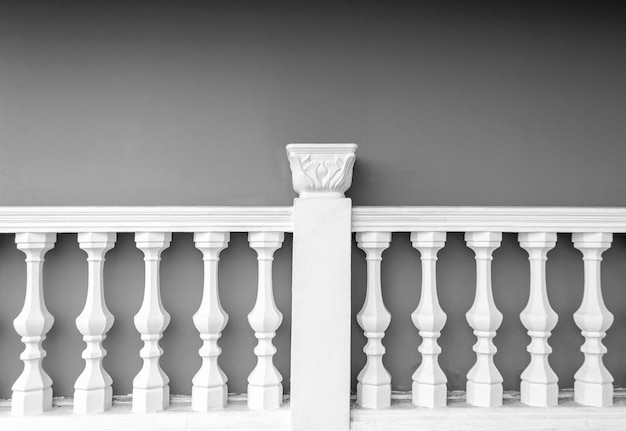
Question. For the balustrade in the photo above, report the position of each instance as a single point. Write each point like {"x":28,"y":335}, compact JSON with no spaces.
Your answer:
{"x":322,"y":221}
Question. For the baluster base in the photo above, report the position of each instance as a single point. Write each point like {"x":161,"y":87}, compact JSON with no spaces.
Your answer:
{"x":92,"y":401}
{"x":593,"y":394}
{"x":539,"y":394}
{"x":151,"y":400}
{"x":484,"y":394}
{"x":31,"y":402}
{"x":265,"y":397}
{"x":373,"y":396}
{"x":431,"y":396}
{"x":205,"y":399}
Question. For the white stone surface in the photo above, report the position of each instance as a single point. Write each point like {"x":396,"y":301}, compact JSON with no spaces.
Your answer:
{"x":209,"y":390}
{"x":484,"y":381}
{"x":593,"y":385}
{"x":374,"y":381}
{"x":32,"y":391}
{"x":151,"y":391}
{"x":265,"y":389}
{"x":321,"y":315}
{"x":429,"y":380}
{"x":321,"y":289}
{"x":92,"y":390}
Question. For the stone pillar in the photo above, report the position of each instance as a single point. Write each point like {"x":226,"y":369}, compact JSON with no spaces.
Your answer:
{"x":320,"y":333}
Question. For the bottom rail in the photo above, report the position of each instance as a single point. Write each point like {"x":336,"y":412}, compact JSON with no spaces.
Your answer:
{"x":401,"y":416}
{"x":513,"y":415}
{"x":179,"y":416}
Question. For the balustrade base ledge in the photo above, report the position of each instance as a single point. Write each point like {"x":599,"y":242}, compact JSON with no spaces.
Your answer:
{"x":400,"y":416}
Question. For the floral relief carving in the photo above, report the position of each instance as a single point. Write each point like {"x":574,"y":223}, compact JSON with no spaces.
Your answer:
{"x":320,"y":170}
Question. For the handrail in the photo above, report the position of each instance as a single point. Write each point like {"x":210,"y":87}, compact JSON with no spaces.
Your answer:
{"x":145,"y":218}
{"x":500,"y":219}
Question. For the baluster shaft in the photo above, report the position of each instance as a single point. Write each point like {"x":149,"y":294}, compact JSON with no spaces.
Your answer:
{"x":209,"y":390}
{"x":374,"y":381}
{"x":539,"y":385}
{"x":593,"y":385}
{"x":265,"y":389}
{"x":32,"y":391}
{"x":92,"y":390}
{"x":484,"y":381}
{"x":429,"y":380}
{"x":151,"y":391}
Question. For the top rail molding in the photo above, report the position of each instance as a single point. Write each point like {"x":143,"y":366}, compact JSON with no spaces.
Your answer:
{"x":137,"y":219}
{"x":501,"y":219}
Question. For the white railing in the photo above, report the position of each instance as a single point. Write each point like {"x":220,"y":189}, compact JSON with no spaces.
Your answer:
{"x":322,"y":221}
{"x":35,"y":230}
{"x":592,"y":231}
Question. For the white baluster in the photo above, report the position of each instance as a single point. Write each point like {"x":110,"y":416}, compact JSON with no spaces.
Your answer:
{"x":92,"y":390}
{"x":429,"y":381}
{"x":209,"y":390}
{"x":374,"y":381}
{"x":539,"y":385}
{"x":593,"y":384}
{"x":265,"y":389}
{"x":151,"y":391}
{"x":484,"y":381}
{"x":32,"y":391}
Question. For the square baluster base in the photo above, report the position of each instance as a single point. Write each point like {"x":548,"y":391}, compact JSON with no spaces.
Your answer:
{"x":151,"y":400}
{"x":484,"y":394}
{"x":205,"y":399}
{"x":265,"y":397}
{"x":539,"y":394}
{"x":92,"y":401}
{"x":431,"y":396}
{"x":31,"y":402}
{"x":593,"y":394}
{"x":373,"y":396}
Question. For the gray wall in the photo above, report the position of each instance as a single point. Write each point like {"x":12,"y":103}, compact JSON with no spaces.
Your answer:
{"x":181,"y":103}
